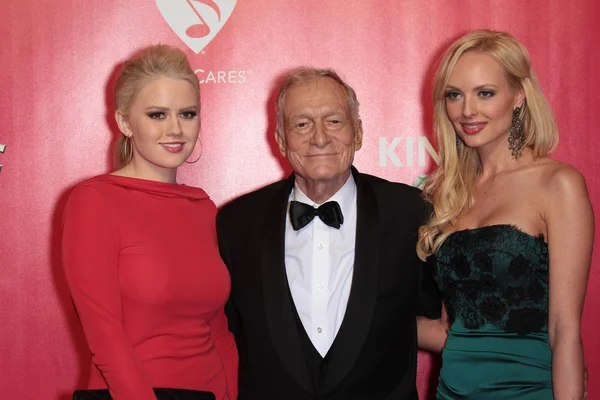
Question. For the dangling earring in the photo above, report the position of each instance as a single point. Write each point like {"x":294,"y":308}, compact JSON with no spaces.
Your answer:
{"x":516,"y":138}
{"x":200,"y":155}
{"x":457,"y":143}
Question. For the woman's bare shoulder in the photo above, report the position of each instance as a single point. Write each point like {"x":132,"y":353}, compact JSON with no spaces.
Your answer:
{"x":552,"y":174}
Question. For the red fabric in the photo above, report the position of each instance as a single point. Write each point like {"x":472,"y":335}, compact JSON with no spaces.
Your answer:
{"x":144,"y":272}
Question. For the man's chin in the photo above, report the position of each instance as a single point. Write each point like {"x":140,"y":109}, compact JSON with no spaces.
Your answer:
{"x":326,"y":174}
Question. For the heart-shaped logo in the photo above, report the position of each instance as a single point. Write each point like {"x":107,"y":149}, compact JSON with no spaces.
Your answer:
{"x":196,"y":22}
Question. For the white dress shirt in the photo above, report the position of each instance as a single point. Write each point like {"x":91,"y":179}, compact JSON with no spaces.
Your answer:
{"x":319,"y":262}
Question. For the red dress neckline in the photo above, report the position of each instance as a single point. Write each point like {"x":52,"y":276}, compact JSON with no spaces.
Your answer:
{"x":154,"y":187}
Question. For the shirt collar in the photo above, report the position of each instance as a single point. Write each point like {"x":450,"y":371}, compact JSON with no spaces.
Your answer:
{"x":346,"y":197}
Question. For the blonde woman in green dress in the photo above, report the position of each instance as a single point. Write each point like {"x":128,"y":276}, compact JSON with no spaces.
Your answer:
{"x":511,"y":233}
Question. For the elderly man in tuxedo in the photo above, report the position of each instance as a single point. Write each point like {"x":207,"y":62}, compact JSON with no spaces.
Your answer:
{"x":326,"y":283}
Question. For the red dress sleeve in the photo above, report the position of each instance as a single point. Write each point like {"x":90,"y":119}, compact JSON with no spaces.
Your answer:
{"x":90,"y":260}
{"x":225,"y":344}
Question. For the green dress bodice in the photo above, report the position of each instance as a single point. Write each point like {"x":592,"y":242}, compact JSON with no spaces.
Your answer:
{"x":494,"y":280}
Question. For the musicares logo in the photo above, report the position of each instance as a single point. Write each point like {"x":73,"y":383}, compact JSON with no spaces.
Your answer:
{"x":196,"y":22}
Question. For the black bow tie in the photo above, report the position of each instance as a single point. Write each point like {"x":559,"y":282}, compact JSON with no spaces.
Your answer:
{"x":301,"y":214}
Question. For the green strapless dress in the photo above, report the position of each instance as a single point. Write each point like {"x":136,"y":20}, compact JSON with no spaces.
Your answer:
{"x":494,"y":280}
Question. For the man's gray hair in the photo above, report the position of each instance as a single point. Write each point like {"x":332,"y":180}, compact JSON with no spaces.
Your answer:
{"x":306,"y":74}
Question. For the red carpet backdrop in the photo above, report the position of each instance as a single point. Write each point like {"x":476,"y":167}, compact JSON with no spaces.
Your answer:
{"x":58,"y":63}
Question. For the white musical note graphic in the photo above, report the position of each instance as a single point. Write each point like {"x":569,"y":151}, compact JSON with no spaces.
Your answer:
{"x":196,"y":22}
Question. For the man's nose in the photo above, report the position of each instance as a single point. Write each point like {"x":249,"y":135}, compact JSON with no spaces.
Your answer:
{"x":320,"y":137}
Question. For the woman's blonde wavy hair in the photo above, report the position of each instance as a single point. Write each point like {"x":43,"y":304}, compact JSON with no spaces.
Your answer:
{"x":150,"y":63}
{"x":450,"y":188}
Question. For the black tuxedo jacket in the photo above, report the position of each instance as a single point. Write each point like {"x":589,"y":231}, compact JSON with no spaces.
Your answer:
{"x":374,"y":353}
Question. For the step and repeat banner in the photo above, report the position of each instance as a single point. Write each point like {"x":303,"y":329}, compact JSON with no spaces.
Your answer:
{"x":59,"y":59}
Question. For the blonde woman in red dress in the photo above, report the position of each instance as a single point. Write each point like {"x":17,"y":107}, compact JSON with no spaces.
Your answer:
{"x":140,"y":251}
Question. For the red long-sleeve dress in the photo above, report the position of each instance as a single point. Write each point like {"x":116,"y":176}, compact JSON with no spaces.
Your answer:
{"x":143,"y":267}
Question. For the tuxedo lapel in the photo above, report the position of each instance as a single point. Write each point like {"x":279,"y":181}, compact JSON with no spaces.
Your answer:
{"x":363,"y":293}
{"x":277,"y":300}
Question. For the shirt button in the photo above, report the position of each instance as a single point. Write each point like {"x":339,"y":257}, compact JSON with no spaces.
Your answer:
{"x":320,"y":246}
{"x":319,"y":330}
{"x":320,"y":287}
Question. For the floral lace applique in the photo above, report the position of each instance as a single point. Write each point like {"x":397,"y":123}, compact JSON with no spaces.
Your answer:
{"x":495,"y":275}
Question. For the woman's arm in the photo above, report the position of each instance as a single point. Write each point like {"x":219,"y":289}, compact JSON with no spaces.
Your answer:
{"x":570,"y":223}
{"x":225,"y":344}
{"x":227,"y":322}
{"x":432,"y":333}
{"x":432,"y":318}
{"x":90,"y":260}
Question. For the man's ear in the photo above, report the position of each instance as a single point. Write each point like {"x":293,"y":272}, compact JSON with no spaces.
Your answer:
{"x":358,"y":136}
{"x":279,"y":137}
{"x":122,"y":123}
